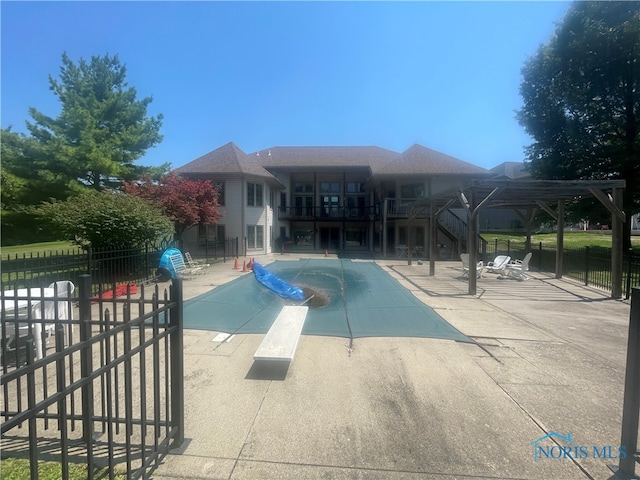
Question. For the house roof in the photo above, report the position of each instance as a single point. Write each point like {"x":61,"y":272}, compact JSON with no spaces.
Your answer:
{"x":419,"y":160}
{"x":370,"y":157}
{"x":228,"y":159}
{"x":510,"y":170}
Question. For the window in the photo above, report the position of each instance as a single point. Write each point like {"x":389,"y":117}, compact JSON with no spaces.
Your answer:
{"x":303,"y":237}
{"x":413,"y":190}
{"x":355,"y":187}
{"x":303,"y":187}
{"x":304,"y":206}
{"x":211,"y":233}
{"x":330,"y":205}
{"x":254,"y":194}
{"x":255,"y":236}
{"x":330,"y":187}
{"x":220,"y":187}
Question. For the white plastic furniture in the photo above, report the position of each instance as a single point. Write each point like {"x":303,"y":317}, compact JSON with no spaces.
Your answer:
{"x":465,"y":266}
{"x":519,"y":268}
{"x":498,"y":264}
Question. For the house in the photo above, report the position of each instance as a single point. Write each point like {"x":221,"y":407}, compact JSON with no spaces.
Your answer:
{"x":504,"y":219}
{"x":350,"y":199}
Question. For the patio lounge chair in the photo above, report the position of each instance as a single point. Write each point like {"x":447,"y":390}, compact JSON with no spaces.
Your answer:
{"x":518,"y":269}
{"x":194,"y":264}
{"x":465,"y":266}
{"x":498,"y":264}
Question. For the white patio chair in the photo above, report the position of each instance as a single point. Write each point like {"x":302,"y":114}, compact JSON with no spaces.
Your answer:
{"x":519,"y":268}
{"x":498,"y":264}
{"x":59,"y":309}
{"x":193,"y":263}
{"x":465,"y":266}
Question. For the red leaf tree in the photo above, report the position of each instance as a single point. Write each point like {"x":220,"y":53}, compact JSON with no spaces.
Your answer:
{"x":186,"y":202}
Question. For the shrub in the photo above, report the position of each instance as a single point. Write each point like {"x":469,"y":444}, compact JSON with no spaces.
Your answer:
{"x":107,"y":220}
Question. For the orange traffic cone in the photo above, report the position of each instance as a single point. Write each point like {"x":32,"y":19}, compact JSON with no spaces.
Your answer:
{"x":250,"y":266}
{"x":244,"y":267}
{"x":235,"y":264}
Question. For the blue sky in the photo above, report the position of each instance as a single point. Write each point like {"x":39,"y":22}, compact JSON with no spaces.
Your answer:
{"x":445,"y":75}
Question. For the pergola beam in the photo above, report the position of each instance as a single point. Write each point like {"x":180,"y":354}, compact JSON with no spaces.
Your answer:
{"x":530,"y":195}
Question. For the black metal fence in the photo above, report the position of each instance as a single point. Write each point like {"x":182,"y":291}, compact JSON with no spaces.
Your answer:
{"x":590,"y":265}
{"x":107,"y":267}
{"x":222,"y":248}
{"x":108,"y":394}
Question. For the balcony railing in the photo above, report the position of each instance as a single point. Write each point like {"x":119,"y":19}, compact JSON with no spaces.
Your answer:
{"x":330,"y":213}
{"x":396,"y":208}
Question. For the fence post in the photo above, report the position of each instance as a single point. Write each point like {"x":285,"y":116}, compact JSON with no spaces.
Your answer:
{"x":540,"y":256}
{"x":62,"y":404}
{"x":631,"y":405}
{"x":89,"y":259}
{"x":586,"y":265}
{"x":629,"y":272}
{"x":86,"y":367}
{"x":177,"y":363}
{"x":31,"y":403}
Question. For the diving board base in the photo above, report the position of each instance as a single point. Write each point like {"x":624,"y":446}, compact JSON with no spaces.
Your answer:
{"x":281,"y":341}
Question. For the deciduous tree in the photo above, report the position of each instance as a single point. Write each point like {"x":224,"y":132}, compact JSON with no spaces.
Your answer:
{"x":186,"y":202}
{"x":581,"y":94}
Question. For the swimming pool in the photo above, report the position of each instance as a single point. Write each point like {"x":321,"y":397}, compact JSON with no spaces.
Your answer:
{"x":359,"y":299}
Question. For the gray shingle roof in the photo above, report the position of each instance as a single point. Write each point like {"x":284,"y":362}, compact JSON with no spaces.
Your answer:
{"x":346,"y":156}
{"x":228,"y":159}
{"x":419,"y":160}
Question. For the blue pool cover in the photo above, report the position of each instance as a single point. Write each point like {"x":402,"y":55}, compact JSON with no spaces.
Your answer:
{"x":362,"y":300}
{"x":279,"y":286}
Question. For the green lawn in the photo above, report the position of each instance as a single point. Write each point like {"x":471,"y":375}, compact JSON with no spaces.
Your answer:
{"x":18,"y":469}
{"x":571,"y":239}
{"x":35,"y":248}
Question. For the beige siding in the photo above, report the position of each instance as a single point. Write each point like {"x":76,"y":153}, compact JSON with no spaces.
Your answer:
{"x":234,"y":202}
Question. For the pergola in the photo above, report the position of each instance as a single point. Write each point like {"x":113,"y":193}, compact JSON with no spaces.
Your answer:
{"x":526,"y":197}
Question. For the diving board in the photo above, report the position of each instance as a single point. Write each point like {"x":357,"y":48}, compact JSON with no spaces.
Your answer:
{"x":281,"y":340}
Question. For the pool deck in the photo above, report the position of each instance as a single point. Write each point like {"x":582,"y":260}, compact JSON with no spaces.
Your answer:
{"x":550,"y":357}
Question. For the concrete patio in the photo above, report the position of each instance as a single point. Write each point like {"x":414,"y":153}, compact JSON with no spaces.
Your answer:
{"x":550,"y":357}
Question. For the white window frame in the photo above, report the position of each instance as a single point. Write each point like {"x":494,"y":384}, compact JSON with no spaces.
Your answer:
{"x":255,"y":194}
{"x":255,"y":236}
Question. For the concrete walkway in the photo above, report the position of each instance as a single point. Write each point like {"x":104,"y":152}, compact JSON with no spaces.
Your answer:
{"x":549,"y":357}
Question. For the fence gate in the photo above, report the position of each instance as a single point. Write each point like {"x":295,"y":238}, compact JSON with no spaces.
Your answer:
{"x":108,"y":393}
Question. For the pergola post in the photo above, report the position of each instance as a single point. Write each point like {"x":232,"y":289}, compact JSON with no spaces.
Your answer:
{"x":472,"y":247}
{"x":384,"y":228}
{"x":527,"y":219}
{"x":617,"y":234}
{"x":560,"y":239}
{"x":433,"y":238}
{"x":613,"y":203}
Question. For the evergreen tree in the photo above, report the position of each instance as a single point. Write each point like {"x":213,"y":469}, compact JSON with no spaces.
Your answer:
{"x":102,"y":127}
